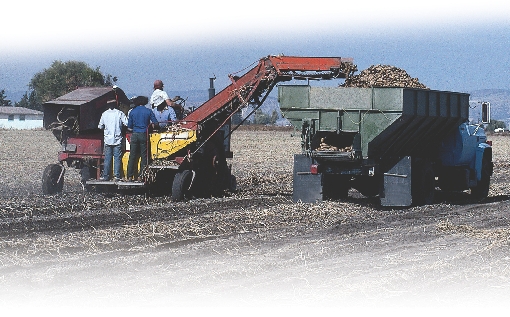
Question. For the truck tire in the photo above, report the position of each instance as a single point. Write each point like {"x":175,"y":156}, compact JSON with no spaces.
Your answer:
{"x":181,"y":185}
{"x":481,"y":190}
{"x":423,"y":185}
{"x":50,"y":179}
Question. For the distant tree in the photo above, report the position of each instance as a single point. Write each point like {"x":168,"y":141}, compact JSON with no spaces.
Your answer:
{"x":63,"y":77}
{"x":261,"y":118}
{"x":28,"y":101}
{"x":274,"y":117}
{"x":495,"y":124}
{"x":4,"y":102}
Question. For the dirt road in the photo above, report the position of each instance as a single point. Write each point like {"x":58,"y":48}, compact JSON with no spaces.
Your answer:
{"x":255,"y":252}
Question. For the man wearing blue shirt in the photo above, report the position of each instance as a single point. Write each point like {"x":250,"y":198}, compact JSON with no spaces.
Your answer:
{"x":111,"y":121}
{"x":164,"y":114}
{"x":138,"y":122}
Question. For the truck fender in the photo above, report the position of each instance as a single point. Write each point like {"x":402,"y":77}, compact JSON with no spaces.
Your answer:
{"x":481,"y":149}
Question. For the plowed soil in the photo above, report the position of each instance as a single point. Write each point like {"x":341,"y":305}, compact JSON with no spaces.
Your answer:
{"x":253,"y":252}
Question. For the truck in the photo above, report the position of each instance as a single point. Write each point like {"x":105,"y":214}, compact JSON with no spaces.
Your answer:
{"x":189,"y":157}
{"x":398,"y":144}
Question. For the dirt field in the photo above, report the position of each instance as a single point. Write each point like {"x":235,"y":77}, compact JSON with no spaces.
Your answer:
{"x":251,"y":253}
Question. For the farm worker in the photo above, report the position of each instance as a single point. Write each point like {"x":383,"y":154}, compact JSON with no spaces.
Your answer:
{"x":159,"y":96}
{"x":164,"y":114}
{"x":111,"y":121}
{"x":138,"y":122}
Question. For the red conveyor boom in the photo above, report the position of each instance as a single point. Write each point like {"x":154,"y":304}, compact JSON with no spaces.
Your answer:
{"x":262,"y":78}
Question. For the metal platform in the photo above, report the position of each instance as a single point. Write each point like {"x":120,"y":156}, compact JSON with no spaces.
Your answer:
{"x":160,"y":167}
{"x":119,"y":184}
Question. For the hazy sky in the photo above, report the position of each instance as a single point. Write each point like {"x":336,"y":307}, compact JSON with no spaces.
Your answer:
{"x":448,"y":45}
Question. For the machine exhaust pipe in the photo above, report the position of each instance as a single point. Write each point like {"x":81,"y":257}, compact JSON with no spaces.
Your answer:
{"x":212,"y":91}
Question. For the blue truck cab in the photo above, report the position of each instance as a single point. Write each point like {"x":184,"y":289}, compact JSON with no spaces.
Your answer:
{"x":466,"y":152}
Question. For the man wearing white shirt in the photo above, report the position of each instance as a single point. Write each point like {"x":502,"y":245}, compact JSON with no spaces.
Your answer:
{"x":159,"y":96}
{"x":111,"y":121}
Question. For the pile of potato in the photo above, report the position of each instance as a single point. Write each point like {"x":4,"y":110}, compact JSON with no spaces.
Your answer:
{"x":383,"y":76}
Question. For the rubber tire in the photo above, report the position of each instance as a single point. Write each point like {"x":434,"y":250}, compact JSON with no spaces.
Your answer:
{"x":424,"y":186}
{"x":481,"y":191}
{"x":50,"y":176}
{"x":181,"y":185}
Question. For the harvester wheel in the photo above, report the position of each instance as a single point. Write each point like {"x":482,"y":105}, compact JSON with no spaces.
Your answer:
{"x":481,"y":191}
{"x":51,"y":184}
{"x":181,"y":185}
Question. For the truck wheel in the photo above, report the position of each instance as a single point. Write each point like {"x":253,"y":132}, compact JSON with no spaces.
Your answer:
{"x":424,"y":186}
{"x":181,"y":185}
{"x":481,"y":190}
{"x":50,"y":179}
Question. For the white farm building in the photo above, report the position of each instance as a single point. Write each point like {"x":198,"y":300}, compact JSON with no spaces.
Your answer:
{"x":20,"y":118}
